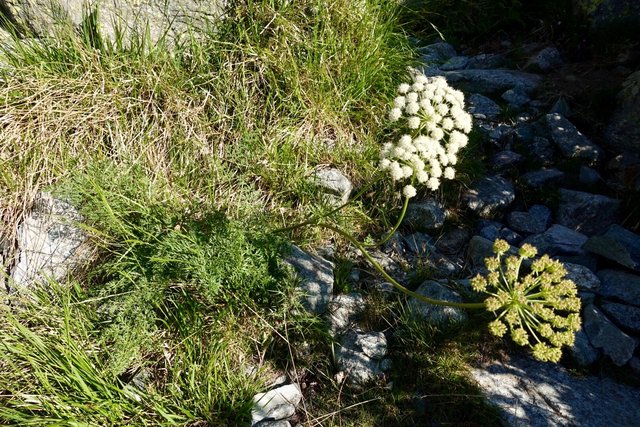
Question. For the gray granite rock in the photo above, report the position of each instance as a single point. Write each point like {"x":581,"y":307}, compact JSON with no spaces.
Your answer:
{"x":441,"y":266}
{"x":625,"y":316}
{"x":623,"y":131}
{"x":587,"y":297}
{"x":541,"y":150}
{"x":280,"y":423}
{"x":535,"y":394}
{"x":506,"y":159}
{"x":558,"y":240}
{"x":390,"y":265}
{"x":437,"y":53}
{"x":603,"y":334}
{"x":334,"y":184}
{"x":482,"y":107}
{"x":276,"y":404}
{"x":536,"y":220}
{"x":524,"y":131}
{"x":488,"y":82}
{"x":344,"y":311}
{"x":316,"y":279}
{"x":453,"y":241}
{"x":361,"y":357}
{"x":425,"y":216}
{"x":620,"y":285}
{"x":516,"y":97}
{"x":546,"y":60}
{"x":173,"y":21}
{"x":571,"y":142}
{"x":542,"y":177}
{"x":585,"y":212}
{"x":51,"y":243}
{"x":582,"y":351}
{"x":489,"y":195}
{"x":487,"y":61}
{"x":500,"y":133}
{"x":395,"y":244}
{"x":481,"y":248}
{"x":512,"y":237}
{"x":582,"y":276}
{"x":617,"y":244}
{"x":489,"y":230}
{"x":420,"y":244}
{"x":586,"y":259}
{"x":588,"y":175}
{"x":436,"y":314}
{"x":455,"y":63}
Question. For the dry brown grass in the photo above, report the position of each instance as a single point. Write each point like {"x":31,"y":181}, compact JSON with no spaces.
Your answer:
{"x":54,"y":125}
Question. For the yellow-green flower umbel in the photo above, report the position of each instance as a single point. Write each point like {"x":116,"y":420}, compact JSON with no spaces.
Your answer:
{"x":540,"y":310}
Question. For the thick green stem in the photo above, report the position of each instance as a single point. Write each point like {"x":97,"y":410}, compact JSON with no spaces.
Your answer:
{"x":386,"y":238}
{"x":397,"y":285}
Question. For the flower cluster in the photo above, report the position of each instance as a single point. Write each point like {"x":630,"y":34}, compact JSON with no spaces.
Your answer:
{"x":436,"y":125}
{"x":540,"y":310}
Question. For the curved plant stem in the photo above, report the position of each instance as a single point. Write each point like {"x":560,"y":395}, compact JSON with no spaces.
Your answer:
{"x":386,"y":238}
{"x":314,"y":220}
{"x":397,"y":285}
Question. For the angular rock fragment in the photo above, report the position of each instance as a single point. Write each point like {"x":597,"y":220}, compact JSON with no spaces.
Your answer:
{"x":585,"y":212}
{"x":425,"y":216}
{"x":620,"y":286}
{"x":334,"y":184}
{"x":617,"y":244}
{"x":51,"y":243}
{"x":436,"y":314}
{"x":605,"y":335}
{"x":361,"y":357}
{"x":536,"y":220}
{"x":489,"y":195}
{"x":276,"y":404}
{"x":316,"y":279}
{"x":571,"y":142}
{"x":488,"y":82}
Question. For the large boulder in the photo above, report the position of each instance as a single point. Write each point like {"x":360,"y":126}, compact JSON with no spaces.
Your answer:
{"x":169,"y":19}
{"x":537,"y":394}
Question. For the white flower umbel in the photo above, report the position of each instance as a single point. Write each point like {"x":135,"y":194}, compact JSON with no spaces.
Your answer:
{"x":409,"y":191}
{"x":431,"y":114}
